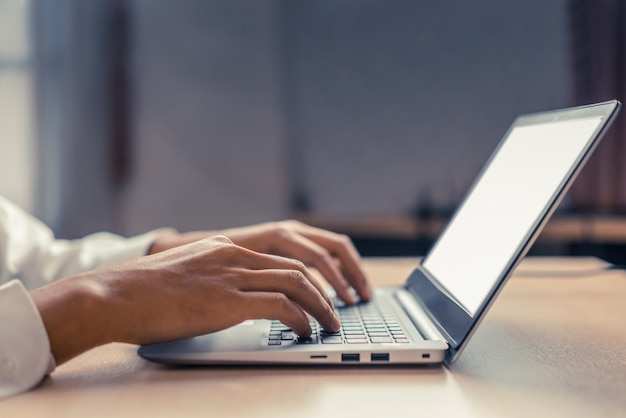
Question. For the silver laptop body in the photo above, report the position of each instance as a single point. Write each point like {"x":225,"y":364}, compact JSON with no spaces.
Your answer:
{"x":431,"y":318}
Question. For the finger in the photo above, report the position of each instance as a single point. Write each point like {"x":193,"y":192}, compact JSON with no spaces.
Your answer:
{"x":297,"y":287}
{"x":259,"y":261}
{"x":276,"y":306}
{"x":322,"y":246}
{"x":342,"y":247}
{"x":311,"y":253}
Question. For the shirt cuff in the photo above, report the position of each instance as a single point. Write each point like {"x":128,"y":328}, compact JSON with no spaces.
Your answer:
{"x":25,"y":357}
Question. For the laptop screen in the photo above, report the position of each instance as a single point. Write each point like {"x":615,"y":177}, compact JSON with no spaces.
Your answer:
{"x":503,"y":208}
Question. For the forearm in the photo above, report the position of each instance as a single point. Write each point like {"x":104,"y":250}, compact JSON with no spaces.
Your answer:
{"x":255,"y":237}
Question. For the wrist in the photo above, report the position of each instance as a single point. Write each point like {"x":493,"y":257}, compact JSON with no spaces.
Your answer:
{"x":166,"y":241}
{"x":75,"y":314}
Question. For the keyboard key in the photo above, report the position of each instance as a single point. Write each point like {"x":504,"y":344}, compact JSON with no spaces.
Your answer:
{"x":306,"y":340}
{"x":361,"y":324}
{"x":357,"y":341}
{"x":381,"y":340}
{"x":273,"y":342}
{"x":377,"y":331}
{"x":281,"y":329}
{"x":375,"y":327}
{"x":378,"y":334}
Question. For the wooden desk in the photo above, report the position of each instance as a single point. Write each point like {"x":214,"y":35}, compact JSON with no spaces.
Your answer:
{"x":554,"y":344}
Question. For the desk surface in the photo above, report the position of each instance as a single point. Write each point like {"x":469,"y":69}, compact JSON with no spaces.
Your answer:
{"x":554,"y":344}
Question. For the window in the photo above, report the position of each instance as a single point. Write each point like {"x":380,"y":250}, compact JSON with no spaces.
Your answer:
{"x":17,"y":108}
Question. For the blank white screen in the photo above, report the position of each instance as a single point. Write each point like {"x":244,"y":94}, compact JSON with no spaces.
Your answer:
{"x":476,"y":247}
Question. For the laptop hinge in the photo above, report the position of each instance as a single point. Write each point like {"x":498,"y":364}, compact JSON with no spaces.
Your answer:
{"x":420,"y":319}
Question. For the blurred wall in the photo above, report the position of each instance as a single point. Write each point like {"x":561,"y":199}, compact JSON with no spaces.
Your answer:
{"x":209,"y":147}
{"x":73,"y":46}
{"x":247,"y":111}
{"x":396,"y":105}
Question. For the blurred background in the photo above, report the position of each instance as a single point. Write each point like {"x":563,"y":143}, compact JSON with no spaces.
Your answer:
{"x":366,"y":117}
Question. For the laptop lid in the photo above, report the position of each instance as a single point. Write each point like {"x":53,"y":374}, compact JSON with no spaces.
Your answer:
{"x":501,"y":215}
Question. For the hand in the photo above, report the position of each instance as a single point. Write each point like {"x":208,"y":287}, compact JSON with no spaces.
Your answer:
{"x":202,"y":287}
{"x":332,"y":254}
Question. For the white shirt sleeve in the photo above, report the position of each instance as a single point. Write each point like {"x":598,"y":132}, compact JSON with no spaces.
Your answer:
{"x":24,"y":347}
{"x":30,"y":253}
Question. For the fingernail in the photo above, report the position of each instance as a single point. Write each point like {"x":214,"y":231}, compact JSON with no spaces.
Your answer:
{"x":368,"y":291}
{"x":337,"y":322}
{"x":349,"y":296}
{"x":308,"y":333}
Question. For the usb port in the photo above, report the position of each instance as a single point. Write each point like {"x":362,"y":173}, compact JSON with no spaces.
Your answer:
{"x":353,"y":357}
{"x":380,"y":357}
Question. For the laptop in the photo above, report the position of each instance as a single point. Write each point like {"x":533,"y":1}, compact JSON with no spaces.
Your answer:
{"x":432,"y":316}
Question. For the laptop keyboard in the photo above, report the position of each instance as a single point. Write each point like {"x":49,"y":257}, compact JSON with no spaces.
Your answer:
{"x":365,"y":323}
